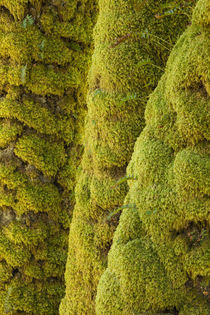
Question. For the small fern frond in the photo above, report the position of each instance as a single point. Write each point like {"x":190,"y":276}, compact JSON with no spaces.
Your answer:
{"x":28,"y":20}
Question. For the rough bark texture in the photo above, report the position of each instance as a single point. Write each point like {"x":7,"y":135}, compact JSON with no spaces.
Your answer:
{"x":159,"y":260}
{"x":44,"y":57}
{"x":132,"y":42}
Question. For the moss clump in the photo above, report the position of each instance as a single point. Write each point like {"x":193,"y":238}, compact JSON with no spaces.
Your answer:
{"x":158,"y":262}
{"x":45,"y":155}
{"x":9,"y":131}
{"x":42,"y":108}
{"x":131,"y":49}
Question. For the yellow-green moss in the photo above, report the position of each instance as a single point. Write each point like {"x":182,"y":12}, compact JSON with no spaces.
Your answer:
{"x":44,"y":58}
{"x":46,"y":156}
{"x":42,"y":119}
{"x":159,"y":260}
{"x":131,"y":48}
{"x":9,"y":131}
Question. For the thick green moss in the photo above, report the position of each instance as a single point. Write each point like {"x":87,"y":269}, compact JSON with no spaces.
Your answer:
{"x":44,"y":58}
{"x":159,"y":260}
{"x":131,"y":49}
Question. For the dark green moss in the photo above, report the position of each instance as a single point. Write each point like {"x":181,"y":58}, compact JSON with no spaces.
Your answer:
{"x":159,"y":258}
{"x":131,"y":49}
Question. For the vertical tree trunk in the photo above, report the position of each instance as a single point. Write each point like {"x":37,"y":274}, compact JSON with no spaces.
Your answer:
{"x":44,"y":57}
{"x":158,"y":263}
{"x":132,"y":42}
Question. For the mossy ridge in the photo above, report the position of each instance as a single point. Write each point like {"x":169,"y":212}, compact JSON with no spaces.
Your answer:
{"x":42,"y":109}
{"x":159,"y":258}
{"x":127,"y":62}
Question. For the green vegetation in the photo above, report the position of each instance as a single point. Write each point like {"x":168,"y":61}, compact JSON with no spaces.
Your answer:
{"x":132,"y":45}
{"x":159,"y":260}
{"x":45,"y":49}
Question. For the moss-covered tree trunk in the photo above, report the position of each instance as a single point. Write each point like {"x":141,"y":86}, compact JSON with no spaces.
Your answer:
{"x":44,"y":56}
{"x":159,"y":261}
{"x":132,"y":43}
